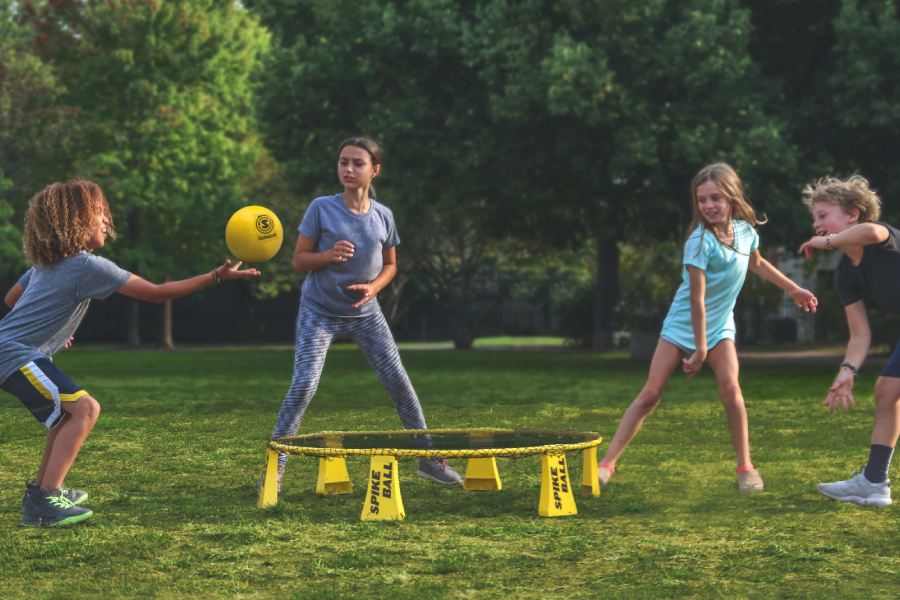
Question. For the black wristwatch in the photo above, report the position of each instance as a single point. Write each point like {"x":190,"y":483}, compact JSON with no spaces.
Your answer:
{"x":853,"y":368}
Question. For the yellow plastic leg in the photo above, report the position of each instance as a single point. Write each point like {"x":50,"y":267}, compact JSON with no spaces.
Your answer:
{"x":590,"y":485}
{"x":333,"y":477}
{"x":268,"y":493}
{"x":557,"y":499}
{"x":383,"y":500}
{"x":482,"y":474}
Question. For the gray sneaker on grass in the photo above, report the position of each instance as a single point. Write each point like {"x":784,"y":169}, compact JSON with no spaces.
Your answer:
{"x":74,"y":496}
{"x":49,"y":508}
{"x":437,"y":469}
{"x":858,"y":490}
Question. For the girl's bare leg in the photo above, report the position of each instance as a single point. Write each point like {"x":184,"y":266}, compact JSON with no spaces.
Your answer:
{"x":724,"y":363}
{"x":666,"y":359}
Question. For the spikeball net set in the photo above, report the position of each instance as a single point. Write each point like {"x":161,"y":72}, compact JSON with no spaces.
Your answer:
{"x":480,"y":446}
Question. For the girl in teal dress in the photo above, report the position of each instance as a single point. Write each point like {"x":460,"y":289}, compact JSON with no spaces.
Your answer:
{"x":721,"y":246}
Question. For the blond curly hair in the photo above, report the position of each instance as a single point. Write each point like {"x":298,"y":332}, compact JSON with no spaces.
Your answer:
{"x":850,"y":193}
{"x":60,"y":220}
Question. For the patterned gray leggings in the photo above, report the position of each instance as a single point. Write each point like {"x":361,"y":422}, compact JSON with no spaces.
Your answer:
{"x":314,"y":335}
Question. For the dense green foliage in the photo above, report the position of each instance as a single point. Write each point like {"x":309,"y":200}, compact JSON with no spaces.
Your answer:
{"x":164,"y":104}
{"x":172,"y":463}
{"x":513,"y":130}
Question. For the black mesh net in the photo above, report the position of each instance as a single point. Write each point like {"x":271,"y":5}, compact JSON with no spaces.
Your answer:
{"x":455,"y":442}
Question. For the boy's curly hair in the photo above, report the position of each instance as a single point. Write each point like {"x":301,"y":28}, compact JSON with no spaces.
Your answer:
{"x":847,"y":193}
{"x":60,"y":220}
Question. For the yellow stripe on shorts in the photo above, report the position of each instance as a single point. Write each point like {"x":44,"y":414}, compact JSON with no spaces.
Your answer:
{"x":37,"y":379}
{"x":36,"y":382}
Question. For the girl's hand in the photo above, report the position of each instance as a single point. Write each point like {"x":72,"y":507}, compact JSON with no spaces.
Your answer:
{"x":692,"y":364}
{"x":68,"y":343}
{"x":804,"y":299}
{"x":233,"y":271}
{"x":816,"y":242}
{"x":367,"y":290}
{"x":342,"y":252}
{"x":841,"y":392}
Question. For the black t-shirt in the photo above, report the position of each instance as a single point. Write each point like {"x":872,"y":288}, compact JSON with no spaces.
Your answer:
{"x":878,"y":273}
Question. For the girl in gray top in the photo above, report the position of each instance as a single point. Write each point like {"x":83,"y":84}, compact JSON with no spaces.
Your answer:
{"x":64,"y":224}
{"x":348,"y":247}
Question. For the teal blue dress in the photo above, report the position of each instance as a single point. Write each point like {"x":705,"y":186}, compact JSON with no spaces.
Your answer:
{"x":726,"y":270}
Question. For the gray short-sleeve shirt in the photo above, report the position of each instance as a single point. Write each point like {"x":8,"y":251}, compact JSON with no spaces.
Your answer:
{"x":326,"y":222}
{"x":54,"y":302}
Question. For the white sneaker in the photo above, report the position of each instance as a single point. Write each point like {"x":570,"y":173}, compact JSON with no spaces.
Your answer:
{"x":858,"y":490}
{"x":750,"y":482}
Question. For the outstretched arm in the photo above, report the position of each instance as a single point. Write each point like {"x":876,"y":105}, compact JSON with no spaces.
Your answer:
{"x":803,"y":298}
{"x":855,"y":236}
{"x":841,"y":391}
{"x":140,"y":288}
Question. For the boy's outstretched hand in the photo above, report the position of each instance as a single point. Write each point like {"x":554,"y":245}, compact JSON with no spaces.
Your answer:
{"x":840,"y":394}
{"x":816,"y":242}
{"x":233,"y":271}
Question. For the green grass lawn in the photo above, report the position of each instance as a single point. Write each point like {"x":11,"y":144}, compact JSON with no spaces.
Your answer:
{"x":171,"y":468}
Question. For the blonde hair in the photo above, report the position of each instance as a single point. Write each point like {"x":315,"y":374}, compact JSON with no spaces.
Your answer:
{"x":848,"y":194}
{"x":61,"y":219}
{"x":728,"y":182}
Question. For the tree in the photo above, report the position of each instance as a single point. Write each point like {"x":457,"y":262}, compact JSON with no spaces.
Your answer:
{"x":863,"y":116}
{"x":163,"y":93}
{"x":394,"y":72}
{"x":615,"y":104}
{"x":33,"y":126}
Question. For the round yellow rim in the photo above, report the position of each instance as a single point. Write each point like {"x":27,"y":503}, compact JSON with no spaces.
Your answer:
{"x":288,"y":444}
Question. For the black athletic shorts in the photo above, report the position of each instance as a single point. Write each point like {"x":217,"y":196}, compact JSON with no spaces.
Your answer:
{"x":892,"y":368}
{"x":42,"y":387}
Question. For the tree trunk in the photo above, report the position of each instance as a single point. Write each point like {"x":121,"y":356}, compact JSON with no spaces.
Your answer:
{"x":166,"y":341}
{"x":607,"y":292}
{"x":134,"y":322}
{"x":461,"y":321}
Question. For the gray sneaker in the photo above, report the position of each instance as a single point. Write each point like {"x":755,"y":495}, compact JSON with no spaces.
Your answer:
{"x":49,"y":508}
{"x":437,"y":469}
{"x":74,"y":496}
{"x":858,"y":490}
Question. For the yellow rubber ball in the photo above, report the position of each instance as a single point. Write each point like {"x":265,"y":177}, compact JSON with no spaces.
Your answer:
{"x":254,"y":234}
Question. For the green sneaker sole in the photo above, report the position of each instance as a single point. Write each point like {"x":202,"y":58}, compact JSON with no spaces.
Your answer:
{"x":38,"y":522}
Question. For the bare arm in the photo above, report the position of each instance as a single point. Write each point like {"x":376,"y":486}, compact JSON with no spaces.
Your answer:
{"x":841,"y":391}
{"x":307,"y":259}
{"x":140,"y":288}
{"x":387,"y":274}
{"x":13,"y":295}
{"x":694,"y":362}
{"x":802,"y":298}
{"x":856,"y":236}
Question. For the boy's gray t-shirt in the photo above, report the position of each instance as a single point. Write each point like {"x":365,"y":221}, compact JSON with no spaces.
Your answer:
{"x":54,"y":302}
{"x":326,"y":222}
